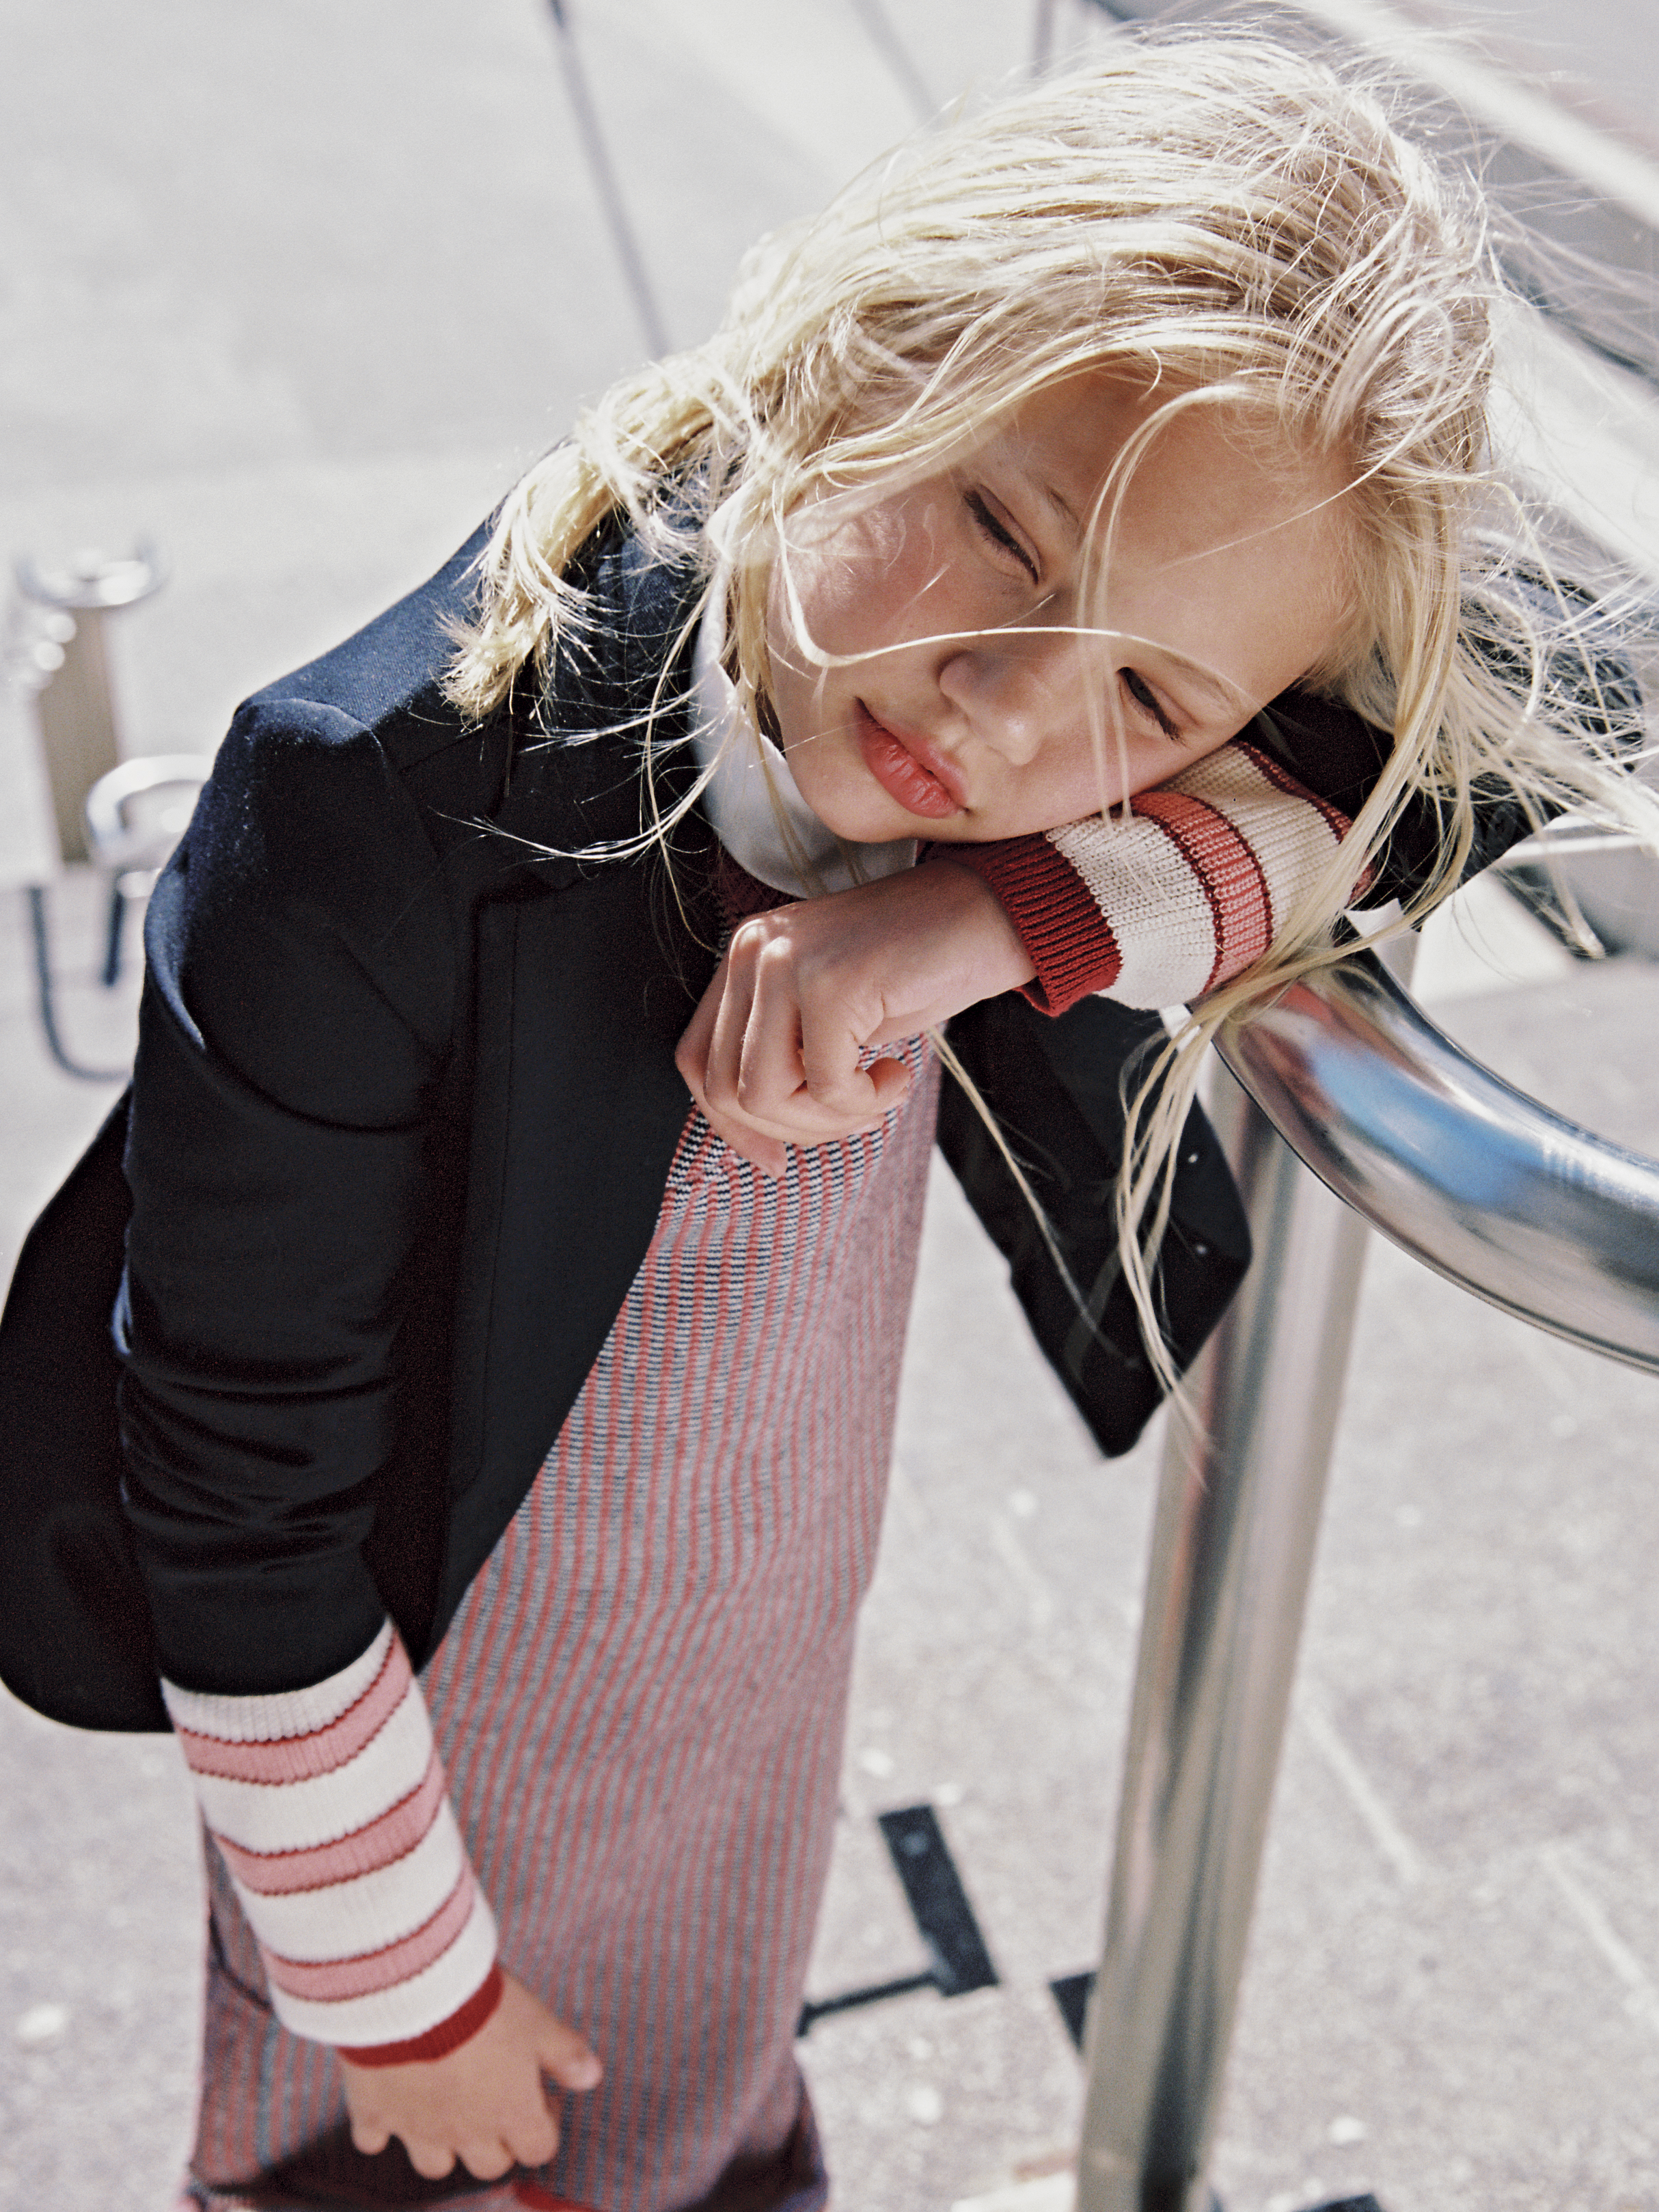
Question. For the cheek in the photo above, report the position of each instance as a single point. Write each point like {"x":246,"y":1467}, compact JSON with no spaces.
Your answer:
{"x":828,"y":612}
{"x":1061,"y":784}
{"x":1081,"y":779}
{"x":861,"y":583}
{"x":1066,"y":776}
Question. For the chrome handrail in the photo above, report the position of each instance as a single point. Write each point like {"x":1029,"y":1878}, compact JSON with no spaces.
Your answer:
{"x":1344,"y":1074}
{"x":1466,"y":1173}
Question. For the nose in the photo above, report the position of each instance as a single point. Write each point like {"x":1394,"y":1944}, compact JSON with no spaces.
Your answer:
{"x":1013,"y":694}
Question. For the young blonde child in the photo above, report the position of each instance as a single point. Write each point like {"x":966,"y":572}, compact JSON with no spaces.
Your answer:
{"x":1141,"y":411}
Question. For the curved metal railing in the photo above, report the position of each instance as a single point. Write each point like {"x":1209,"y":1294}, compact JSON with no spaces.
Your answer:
{"x":1490,"y":1189}
{"x":1469,"y":1175}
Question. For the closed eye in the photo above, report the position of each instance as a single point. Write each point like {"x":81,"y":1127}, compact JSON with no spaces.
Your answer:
{"x":992,"y":526}
{"x":1145,"y":698}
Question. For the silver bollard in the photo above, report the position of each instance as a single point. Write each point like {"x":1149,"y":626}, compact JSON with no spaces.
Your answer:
{"x":76,"y":702}
{"x":1232,"y":1550}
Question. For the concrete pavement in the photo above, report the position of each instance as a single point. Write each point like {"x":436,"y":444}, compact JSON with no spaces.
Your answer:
{"x":298,"y":290}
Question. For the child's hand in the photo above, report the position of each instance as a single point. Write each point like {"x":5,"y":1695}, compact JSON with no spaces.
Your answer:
{"x":771,"y":1055}
{"x":485,"y":2104}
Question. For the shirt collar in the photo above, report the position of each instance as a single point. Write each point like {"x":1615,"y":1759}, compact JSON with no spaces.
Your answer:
{"x":754,"y":803}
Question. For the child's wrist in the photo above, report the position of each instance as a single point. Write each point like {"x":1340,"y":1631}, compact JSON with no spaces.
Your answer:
{"x":1067,"y":946}
{"x":463,"y":2024}
{"x":1000,"y":944}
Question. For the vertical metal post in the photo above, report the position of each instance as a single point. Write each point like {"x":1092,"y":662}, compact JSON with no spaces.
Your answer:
{"x":76,"y":705}
{"x":1232,"y":1550}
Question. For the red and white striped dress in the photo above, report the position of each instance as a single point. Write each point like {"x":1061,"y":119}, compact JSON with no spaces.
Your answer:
{"x":640,"y":1705}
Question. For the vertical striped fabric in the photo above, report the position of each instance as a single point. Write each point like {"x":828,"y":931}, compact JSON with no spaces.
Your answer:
{"x":640,"y":1707}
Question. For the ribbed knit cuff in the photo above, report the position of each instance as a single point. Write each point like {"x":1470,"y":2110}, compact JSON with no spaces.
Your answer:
{"x":538,"y":2199}
{"x":1052,"y":908}
{"x":438,"y":2042}
{"x":329,"y":1808}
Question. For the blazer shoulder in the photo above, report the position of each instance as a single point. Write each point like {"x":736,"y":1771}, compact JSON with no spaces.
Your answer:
{"x":306,"y":928}
{"x":387,"y":677}
{"x":385,"y":685}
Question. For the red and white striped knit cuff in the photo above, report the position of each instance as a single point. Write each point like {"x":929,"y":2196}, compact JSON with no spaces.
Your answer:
{"x":329,"y":1808}
{"x":1155,"y":911}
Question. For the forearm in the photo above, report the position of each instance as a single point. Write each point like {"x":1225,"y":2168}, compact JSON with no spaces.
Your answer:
{"x":329,"y":1808}
{"x":284,"y":1197}
{"x":1156,"y":909}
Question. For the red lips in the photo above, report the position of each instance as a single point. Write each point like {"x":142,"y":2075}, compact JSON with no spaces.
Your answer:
{"x":921,"y":787}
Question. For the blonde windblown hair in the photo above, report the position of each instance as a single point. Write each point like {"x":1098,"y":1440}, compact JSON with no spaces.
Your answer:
{"x":1217,"y":219}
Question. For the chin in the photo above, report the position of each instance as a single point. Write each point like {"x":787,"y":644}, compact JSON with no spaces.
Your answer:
{"x":859,"y":831}
{"x":861,"y":818}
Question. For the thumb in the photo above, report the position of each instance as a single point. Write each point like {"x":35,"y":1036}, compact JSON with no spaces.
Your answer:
{"x":889,"y":1079}
{"x":569,"y":2061}
{"x":767,"y":1153}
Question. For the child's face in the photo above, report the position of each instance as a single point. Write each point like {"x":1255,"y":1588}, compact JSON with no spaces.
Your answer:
{"x":1225,"y":584}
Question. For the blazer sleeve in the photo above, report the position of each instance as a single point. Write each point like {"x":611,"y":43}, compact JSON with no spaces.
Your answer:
{"x":1590,"y":684}
{"x":294,"y":1034}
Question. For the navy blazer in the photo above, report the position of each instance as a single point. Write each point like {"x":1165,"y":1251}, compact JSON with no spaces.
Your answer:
{"x":402,"y":1115}
{"x":402,"y":1112}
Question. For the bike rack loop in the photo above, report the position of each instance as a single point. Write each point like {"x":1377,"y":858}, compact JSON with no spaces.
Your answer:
{"x":1496,"y":1194}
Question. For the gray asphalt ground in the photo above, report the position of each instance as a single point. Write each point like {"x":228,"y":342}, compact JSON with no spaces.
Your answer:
{"x":297,"y":290}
